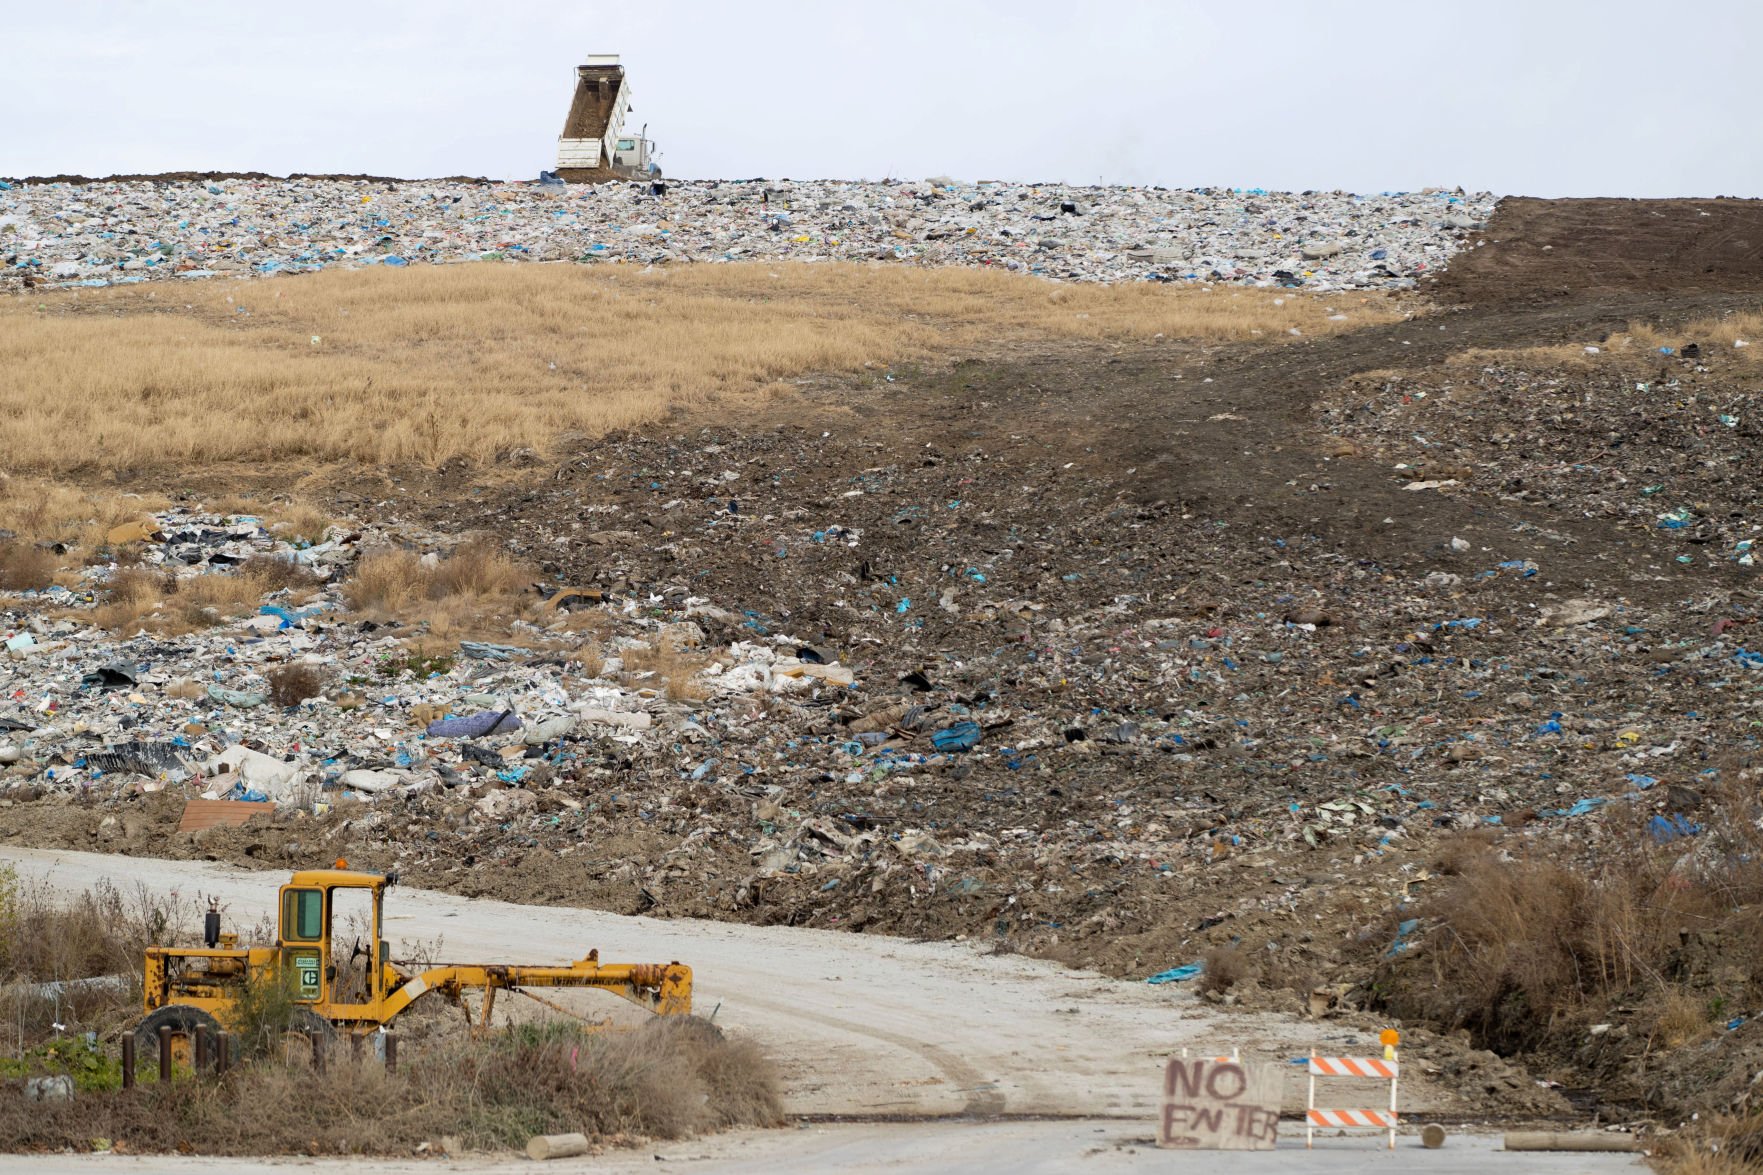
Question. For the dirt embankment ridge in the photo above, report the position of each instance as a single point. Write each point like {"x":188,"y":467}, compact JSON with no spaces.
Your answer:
{"x":1554,"y":249}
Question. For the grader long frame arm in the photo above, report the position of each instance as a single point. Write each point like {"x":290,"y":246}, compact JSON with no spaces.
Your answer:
{"x":662,"y":988}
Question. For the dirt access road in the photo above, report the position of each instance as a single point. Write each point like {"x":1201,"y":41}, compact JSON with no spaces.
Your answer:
{"x":927,"y":1148}
{"x":865,"y":1026}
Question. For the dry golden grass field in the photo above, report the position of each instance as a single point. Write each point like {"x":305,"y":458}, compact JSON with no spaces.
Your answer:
{"x":421,"y":366}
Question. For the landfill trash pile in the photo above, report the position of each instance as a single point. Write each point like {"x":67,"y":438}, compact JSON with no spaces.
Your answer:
{"x":926,"y":697}
{"x":1665,"y":440}
{"x":1107,"y":654}
{"x":105,"y":233}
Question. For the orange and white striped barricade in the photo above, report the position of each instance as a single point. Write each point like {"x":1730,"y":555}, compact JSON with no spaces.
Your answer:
{"x":1384,"y":1068}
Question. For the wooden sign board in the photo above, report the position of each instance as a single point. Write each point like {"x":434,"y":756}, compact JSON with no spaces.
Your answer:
{"x":1220,"y":1105}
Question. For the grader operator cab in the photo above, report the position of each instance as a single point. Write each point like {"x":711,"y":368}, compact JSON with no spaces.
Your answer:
{"x":189,"y":988}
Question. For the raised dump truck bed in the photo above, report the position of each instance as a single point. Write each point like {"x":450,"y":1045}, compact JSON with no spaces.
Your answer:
{"x":594,"y":145}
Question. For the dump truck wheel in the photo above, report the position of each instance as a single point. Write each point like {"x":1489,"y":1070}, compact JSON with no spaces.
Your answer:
{"x":693,"y":1029}
{"x":183,"y":1021}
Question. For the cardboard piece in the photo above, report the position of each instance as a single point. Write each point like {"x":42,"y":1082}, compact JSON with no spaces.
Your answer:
{"x":1220,"y":1105}
{"x":199,"y":814}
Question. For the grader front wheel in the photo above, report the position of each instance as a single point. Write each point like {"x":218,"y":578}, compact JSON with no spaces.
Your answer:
{"x":183,"y":1020}
{"x":304,"y":1027}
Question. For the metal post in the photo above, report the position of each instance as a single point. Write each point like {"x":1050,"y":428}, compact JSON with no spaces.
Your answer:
{"x":201,"y":1048}
{"x":223,"y":1052}
{"x":1309,"y":1125}
{"x":355,"y":1048}
{"x":165,"y":1053}
{"x":128,"y":1060}
{"x":1393,"y":1098}
{"x":391,"y":1052}
{"x":317,"y":1052}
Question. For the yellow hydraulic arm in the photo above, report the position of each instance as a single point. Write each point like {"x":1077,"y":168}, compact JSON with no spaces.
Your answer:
{"x":662,"y":988}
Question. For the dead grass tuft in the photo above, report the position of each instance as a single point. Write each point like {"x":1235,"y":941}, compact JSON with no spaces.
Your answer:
{"x":1717,"y":1144}
{"x":674,"y":670}
{"x":1525,"y":950}
{"x":274,"y":574}
{"x":136,"y":598}
{"x":129,"y":597}
{"x":474,"y":591}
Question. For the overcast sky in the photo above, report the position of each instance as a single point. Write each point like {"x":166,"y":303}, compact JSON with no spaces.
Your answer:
{"x":1540,"y":97}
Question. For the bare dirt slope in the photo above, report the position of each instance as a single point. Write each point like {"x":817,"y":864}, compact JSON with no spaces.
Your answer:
{"x":1548,"y":249}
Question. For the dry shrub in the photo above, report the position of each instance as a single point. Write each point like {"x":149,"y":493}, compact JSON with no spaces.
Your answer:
{"x":103,"y":933}
{"x":1715,"y":1144}
{"x":263,"y":1012}
{"x":1525,"y":949}
{"x":26,"y":567}
{"x":493,"y":1093}
{"x":289,"y":685}
{"x":1225,"y":967}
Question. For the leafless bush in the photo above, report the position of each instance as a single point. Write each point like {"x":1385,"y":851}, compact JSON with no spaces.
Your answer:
{"x":289,"y":685}
{"x":51,"y":947}
{"x":1225,"y":967}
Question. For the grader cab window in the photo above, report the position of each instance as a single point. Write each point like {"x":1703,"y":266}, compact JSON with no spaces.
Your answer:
{"x":303,"y":915}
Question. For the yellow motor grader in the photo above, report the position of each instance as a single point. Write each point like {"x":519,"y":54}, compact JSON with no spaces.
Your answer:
{"x":189,"y":988}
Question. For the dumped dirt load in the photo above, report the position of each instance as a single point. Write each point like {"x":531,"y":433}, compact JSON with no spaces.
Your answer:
{"x":1543,"y":249}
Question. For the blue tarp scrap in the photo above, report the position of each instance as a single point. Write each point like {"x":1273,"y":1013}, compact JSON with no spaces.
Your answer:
{"x":1178,"y":974}
{"x":962,"y":736}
